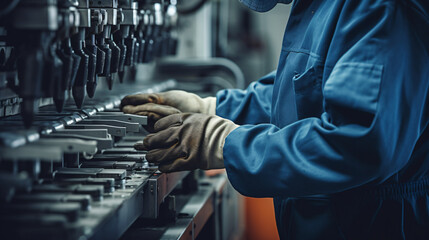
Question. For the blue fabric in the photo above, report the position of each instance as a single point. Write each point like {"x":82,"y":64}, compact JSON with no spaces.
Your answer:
{"x":251,"y":106}
{"x":263,"y":5}
{"x":348,"y":118}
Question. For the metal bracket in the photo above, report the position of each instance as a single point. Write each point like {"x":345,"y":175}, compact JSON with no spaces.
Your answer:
{"x":70,"y":145}
{"x":130,"y":127}
{"x":32,"y":151}
{"x":112,"y":130}
{"x":121,"y":117}
{"x":157,"y":189}
{"x":98,"y":133}
{"x":102,"y":143}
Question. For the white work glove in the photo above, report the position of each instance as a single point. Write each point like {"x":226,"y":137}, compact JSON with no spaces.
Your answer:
{"x":183,"y":101}
{"x":187,"y":141}
{"x":158,"y":105}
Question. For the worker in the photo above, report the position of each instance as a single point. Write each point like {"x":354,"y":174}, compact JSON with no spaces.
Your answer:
{"x":338,"y":135}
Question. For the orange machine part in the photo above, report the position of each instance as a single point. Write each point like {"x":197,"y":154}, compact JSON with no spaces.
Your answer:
{"x":260,"y":219}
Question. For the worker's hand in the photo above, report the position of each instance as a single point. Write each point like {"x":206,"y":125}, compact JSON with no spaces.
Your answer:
{"x":153,"y":111}
{"x":187,"y":141}
{"x":184,"y":101}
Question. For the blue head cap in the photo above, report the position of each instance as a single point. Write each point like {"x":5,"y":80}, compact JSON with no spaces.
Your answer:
{"x":262,"y":5}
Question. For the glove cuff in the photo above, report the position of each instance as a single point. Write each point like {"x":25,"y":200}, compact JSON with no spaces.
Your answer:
{"x":208,"y":105}
{"x":217,"y":129}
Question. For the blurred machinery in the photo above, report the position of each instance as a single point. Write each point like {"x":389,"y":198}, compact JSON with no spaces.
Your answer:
{"x":68,"y":169}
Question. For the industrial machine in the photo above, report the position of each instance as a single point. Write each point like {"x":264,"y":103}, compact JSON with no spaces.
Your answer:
{"x":68,"y":169}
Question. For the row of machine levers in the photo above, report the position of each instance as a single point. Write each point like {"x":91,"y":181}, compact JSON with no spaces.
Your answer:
{"x":76,"y":173}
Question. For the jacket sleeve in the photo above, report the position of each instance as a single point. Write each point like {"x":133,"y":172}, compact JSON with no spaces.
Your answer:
{"x":250,"y":106}
{"x":375,"y":110}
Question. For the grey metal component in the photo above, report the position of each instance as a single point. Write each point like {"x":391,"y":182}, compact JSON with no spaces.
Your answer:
{"x":98,"y":133}
{"x":76,"y":173}
{"x":112,"y":130}
{"x":107,"y":183}
{"x":130,"y":17}
{"x":158,"y":187}
{"x":124,"y":144}
{"x":111,"y":15}
{"x":32,"y":151}
{"x":14,"y":139}
{"x":68,"y":120}
{"x":11,"y":140}
{"x":117,"y":174}
{"x":120,"y":157}
{"x":31,"y":135}
{"x":109,"y":164}
{"x":85,"y":17}
{"x":76,"y":116}
{"x":102,"y":143}
{"x":70,"y":145}
{"x":112,"y":110}
{"x":89,"y":112}
{"x":49,"y":149}
{"x":99,"y":108}
{"x":130,"y":127}
{"x":129,"y":150}
{"x":109,"y":105}
{"x":133,"y":138}
{"x":116,"y":103}
{"x":121,"y":117}
{"x":158,"y":14}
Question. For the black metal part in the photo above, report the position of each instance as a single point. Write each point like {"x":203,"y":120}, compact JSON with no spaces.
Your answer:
{"x":91,"y":50}
{"x":103,"y":46}
{"x":107,"y":183}
{"x":117,"y":174}
{"x":131,"y":46}
{"x":82,"y":199}
{"x":110,"y":164}
{"x":67,"y":73}
{"x":30,"y":72}
{"x":79,"y":85}
{"x":96,"y":192}
{"x":140,"y":158}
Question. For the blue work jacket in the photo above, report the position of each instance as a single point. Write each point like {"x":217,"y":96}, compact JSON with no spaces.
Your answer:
{"x":338,"y":135}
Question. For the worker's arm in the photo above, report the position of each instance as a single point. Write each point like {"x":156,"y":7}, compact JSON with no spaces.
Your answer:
{"x":250,"y":106}
{"x":374,"y":116}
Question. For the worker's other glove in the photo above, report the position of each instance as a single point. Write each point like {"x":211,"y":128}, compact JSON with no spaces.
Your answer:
{"x":187,"y":141}
{"x":183,"y":101}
